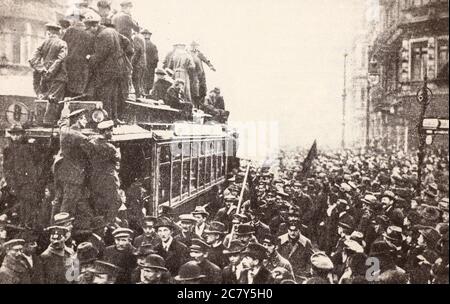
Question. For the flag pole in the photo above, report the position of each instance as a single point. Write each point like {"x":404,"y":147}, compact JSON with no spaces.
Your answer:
{"x":241,"y":197}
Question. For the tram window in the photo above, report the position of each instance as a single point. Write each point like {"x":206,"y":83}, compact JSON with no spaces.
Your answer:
{"x":208,"y":170}
{"x":203,"y":148}
{"x":164,"y":183}
{"x":194,"y":171}
{"x":186,"y":150}
{"x":202,"y":172}
{"x":186,"y":172}
{"x":214,"y":173}
{"x":164,"y":154}
{"x":195,"y":147}
{"x":176,"y":149}
{"x":176,"y":180}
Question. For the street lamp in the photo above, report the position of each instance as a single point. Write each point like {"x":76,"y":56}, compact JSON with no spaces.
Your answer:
{"x":373,"y":77}
{"x":424,"y":95}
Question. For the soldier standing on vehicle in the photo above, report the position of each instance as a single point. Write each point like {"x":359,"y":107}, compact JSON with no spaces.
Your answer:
{"x":111,"y":66}
{"x":104,"y":158}
{"x":71,"y":164}
{"x":151,"y":52}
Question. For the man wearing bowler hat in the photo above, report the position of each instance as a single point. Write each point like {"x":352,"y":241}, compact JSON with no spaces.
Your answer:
{"x":21,"y":168}
{"x":153,"y":270}
{"x":86,"y":254}
{"x":199,"y":253}
{"x":121,"y":254}
{"x":171,"y":250}
{"x":190,"y":273}
{"x":255,"y":272}
{"x":105,"y":273}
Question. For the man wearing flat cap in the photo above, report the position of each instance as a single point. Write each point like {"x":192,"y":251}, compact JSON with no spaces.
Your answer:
{"x":161,"y":85}
{"x":321,"y":268}
{"x":111,"y":66}
{"x":21,"y":169}
{"x":14,"y":269}
{"x":47,"y":62}
{"x":186,"y":223}
{"x":274,"y":258}
{"x":171,"y":250}
{"x":123,"y":20}
{"x":121,"y":254}
{"x":199,"y":253}
{"x":297,"y":249}
{"x":253,"y":261}
{"x":176,"y":98}
{"x":151,"y":53}
{"x":57,"y":259}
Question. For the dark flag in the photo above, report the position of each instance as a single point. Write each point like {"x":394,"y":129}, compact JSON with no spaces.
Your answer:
{"x":312,"y":154}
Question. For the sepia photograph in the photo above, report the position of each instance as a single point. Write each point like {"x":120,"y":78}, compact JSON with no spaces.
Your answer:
{"x":225,"y":143}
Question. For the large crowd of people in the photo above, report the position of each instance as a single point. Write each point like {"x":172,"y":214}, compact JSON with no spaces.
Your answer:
{"x":97,"y":53}
{"x":344,"y":218}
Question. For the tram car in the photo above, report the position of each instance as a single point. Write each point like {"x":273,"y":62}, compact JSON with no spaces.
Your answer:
{"x":179,"y":163}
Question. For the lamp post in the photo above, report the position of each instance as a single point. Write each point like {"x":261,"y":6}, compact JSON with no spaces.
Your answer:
{"x":423,"y":97}
{"x":372,"y":80}
{"x":344,"y":98}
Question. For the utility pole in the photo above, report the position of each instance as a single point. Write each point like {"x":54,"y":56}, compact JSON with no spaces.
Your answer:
{"x":344,"y":99}
{"x":423,"y":98}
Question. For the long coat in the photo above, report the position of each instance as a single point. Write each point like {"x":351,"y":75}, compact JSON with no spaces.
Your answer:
{"x":183,"y":65}
{"x":109,"y":59}
{"x":298,"y":253}
{"x":80,"y":43}
{"x":176,"y":256}
{"x":151,"y":53}
{"x":105,"y":163}
{"x":14,"y":271}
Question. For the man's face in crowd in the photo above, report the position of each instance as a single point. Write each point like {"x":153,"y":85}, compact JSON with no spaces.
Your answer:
{"x":386,"y":200}
{"x":150,"y":275}
{"x":200,"y":218}
{"x":179,"y":86}
{"x":211,"y":238}
{"x":57,"y":240}
{"x":244,"y":238}
{"x":414,"y":204}
{"x":101,"y":278}
{"x":186,"y":226}
{"x":249,"y":262}
{"x":269,"y":247}
{"x":122,"y":243}
{"x":198,"y":256}
{"x":293,"y":233}
{"x":445,"y":217}
{"x":234,"y":259}
{"x":164,"y":233}
{"x":15,"y":252}
{"x":421,"y":241}
{"x":30,"y":248}
{"x":296,"y":188}
{"x":148,"y":228}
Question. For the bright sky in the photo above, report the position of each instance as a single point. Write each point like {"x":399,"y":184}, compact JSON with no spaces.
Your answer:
{"x":277,"y":61}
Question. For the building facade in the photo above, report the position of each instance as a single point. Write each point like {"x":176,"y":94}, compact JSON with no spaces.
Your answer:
{"x":411,"y":43}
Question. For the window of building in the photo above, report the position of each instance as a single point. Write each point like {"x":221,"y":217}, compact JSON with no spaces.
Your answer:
{"x":419,"y":58}
{"x":442,"y":58}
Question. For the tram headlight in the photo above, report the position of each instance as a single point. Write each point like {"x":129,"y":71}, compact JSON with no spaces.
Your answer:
{"x":98,"y":115}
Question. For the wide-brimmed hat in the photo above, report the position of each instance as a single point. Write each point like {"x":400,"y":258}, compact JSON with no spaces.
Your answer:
{"x":76,"y":113}
{"x":189,"y":271}
{"x":199,"y":245}
{"x":53,"y":26}
{"x":370,"y":199}
{"x":102,"y":267}
{"x":380,"y":247}
{"x":187,"y":218}
{"x":320,"y":260}
{"x":62,"y":219}
{"x":236,"y":246}
{"x":215,"y":227}
{"x":256,"y":251}
{"x":430,"y":214}
{"x":164,"y":222}
{"x":431,"y":235}
{"x":346,"y":221}
{"x":86,"y":253}
{"x":200,"y":210}
{"x":388,"y":194}
{"x":154,"y":261}
{"x":144,"y":250}
{"x":271,"y":239}
{"x":353,"y":246}
{"x":394,"y":233}
{"x":14,"y":242}
{"x":245,"y":229}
